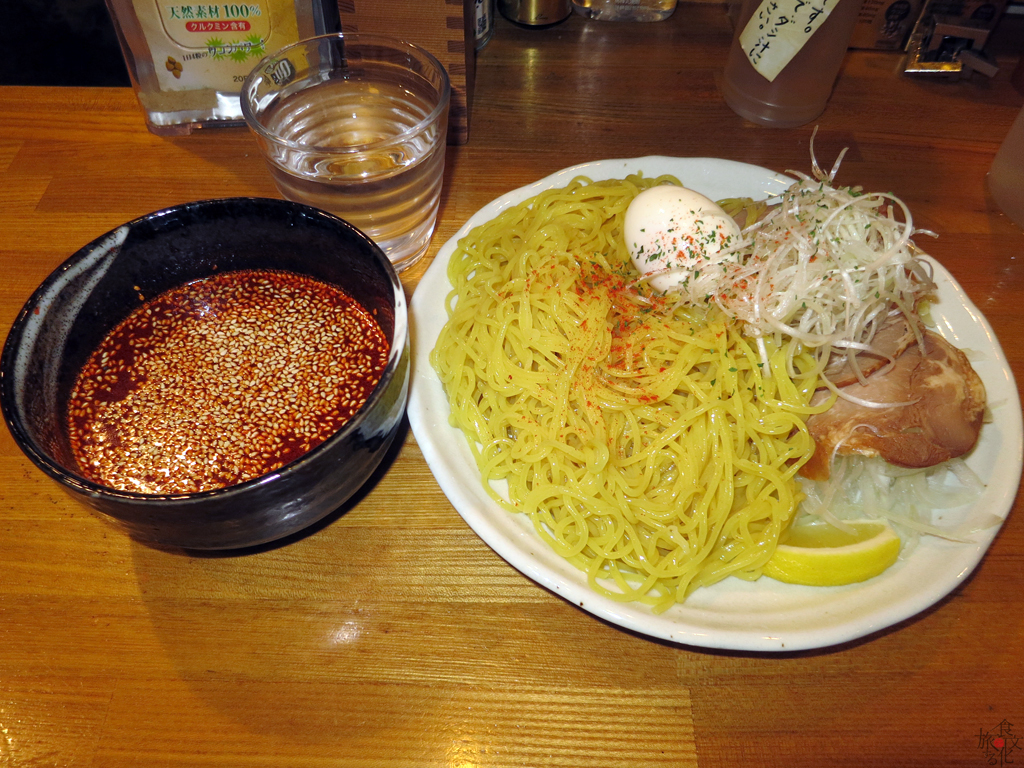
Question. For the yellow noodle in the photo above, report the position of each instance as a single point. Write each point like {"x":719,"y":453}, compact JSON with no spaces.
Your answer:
{"x":645,"y":440}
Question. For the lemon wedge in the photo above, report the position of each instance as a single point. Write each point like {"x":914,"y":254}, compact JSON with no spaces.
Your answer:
{"x":821,"y":555}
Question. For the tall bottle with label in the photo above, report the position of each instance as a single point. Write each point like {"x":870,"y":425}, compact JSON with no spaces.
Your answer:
{"x":187,"y":59}
{"x":785,"y":58}
{"x":483,"y":22}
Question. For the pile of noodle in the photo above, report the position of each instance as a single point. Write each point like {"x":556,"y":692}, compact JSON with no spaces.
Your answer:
{"x":647,"y":441}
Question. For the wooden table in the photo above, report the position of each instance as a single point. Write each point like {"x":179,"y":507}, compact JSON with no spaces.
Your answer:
{"x":392,"y":636}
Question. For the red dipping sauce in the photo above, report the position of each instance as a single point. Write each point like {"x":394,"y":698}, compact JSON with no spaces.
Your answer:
{"x":223,"y":380}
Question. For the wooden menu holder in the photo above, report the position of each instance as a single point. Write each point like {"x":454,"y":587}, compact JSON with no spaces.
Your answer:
{"x":443,"y":27}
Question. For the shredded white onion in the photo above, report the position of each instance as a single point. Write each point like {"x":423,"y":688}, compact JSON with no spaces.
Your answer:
{"x":860,"y":487}
{"x":826,"y":266}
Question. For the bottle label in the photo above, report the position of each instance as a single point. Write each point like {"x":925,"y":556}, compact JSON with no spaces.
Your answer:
{"x":204,"y":45}
{"x":779,"y":29}
{"x":484,"y":21}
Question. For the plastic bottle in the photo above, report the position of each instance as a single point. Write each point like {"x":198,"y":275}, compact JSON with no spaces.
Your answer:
{"x":1006,"y":176}
{"x":800,"y":92}
{"x":625,"y":10}
{"x":187,"y":62}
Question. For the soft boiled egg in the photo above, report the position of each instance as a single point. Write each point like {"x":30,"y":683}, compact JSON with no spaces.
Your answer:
{"x":675,"y":233}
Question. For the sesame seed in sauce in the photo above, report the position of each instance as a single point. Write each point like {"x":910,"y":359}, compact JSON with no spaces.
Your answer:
{"x":221,"y":381}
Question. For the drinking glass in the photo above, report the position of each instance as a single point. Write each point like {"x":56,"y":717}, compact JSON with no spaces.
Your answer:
{"x":1006,"y":176}
{"x":356,"y":125}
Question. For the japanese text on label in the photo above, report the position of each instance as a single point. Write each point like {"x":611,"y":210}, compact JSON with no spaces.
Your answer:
{"x":779,"y":29}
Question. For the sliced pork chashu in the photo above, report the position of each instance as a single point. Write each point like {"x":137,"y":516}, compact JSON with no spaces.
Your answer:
{"x":894,"y":337}
{"x":943,"y":421}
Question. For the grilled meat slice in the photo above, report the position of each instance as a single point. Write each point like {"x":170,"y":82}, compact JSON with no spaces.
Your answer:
{"x":942,"y":422}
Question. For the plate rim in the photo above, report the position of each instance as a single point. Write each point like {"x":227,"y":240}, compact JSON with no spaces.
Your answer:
{"x":515,"y":549}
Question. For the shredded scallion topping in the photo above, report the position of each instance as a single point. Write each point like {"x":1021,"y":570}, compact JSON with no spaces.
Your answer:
{"x":825,"y":265}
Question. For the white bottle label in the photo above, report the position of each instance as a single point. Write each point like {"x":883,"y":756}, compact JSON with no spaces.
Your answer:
{"x":779,"y":29}
{"x":215,"y":45}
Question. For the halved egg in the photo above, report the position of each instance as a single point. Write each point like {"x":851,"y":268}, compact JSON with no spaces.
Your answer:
{"x":675,"y":233}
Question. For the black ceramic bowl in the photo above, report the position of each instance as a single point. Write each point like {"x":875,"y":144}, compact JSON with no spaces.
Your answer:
{"x":88,"y":295}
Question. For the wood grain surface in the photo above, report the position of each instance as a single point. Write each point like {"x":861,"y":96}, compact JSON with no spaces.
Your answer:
{"x":390,"y":635}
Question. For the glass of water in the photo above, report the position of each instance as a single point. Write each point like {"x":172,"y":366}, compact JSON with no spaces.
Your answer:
{"x":356,"y":125}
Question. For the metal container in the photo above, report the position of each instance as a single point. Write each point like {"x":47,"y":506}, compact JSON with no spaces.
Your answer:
{"x":535,"y":13}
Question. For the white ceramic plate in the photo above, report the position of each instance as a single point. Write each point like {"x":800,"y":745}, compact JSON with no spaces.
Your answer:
{"x":765,"y":615}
